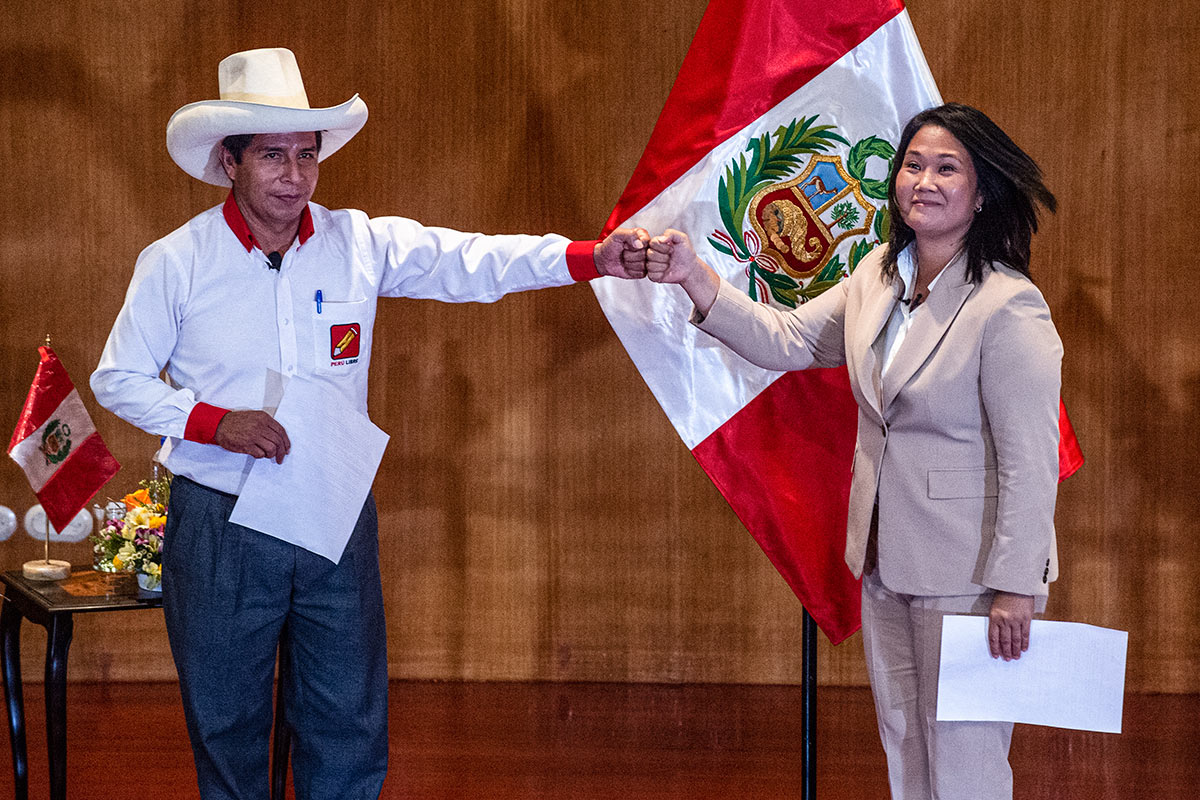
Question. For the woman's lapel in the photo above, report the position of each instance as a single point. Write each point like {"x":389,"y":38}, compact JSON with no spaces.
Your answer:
{"x":875,"y":313}
{"x":928,"y":328}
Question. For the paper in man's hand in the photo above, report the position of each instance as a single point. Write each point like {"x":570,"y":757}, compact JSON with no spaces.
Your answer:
{"x":315,"y":496}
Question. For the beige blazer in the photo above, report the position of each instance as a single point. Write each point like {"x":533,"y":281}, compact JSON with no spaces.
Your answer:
{"x":958,"y":444}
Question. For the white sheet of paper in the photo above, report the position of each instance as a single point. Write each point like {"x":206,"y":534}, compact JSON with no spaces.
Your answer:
{"x":315,"y":496}
{"x":1072,"y":676}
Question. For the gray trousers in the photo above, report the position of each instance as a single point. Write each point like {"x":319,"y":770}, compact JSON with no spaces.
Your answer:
{"x":927,"y":759}
{"x":233,"y":596}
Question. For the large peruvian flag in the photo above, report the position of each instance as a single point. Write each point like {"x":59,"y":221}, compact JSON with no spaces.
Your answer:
{"x":56,"y":444}
{"x":772,"y":154}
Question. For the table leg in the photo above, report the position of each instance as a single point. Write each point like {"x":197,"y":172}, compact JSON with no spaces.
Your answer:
{"x":58,"y":642}
{"x":14,"y":695}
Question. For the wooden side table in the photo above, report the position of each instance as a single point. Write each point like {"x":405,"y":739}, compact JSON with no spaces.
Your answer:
{"x":53,"y":605}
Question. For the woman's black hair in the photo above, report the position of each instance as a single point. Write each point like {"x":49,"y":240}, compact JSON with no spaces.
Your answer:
{"x":1009,"y":181}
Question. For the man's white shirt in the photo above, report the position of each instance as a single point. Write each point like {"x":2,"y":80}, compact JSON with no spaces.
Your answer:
{"x":229,"y":331}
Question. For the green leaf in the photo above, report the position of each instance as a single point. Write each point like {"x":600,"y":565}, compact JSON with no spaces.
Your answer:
{"x":785,"y":297}
{"x":728,"y":201}
{"x":832,"y":271}
{"x":857,"y":251}
{"x":816,"y":288}
{"x":788,"y":132}
{"x":883,"y":224}
{"x":780,"y":279}
{"x":782,"y":286}
{"x":720,"y":246}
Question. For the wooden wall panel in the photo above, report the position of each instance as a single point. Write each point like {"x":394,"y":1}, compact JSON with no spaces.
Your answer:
{"x":539,"y":519}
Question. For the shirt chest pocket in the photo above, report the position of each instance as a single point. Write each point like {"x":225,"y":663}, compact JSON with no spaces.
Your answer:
{"x":340,"y":331}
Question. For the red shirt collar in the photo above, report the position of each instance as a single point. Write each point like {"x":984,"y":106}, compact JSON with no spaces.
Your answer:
{"x":237,"y":223}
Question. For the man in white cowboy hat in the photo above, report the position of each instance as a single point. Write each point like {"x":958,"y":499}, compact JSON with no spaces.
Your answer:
{"x":232,"y":305}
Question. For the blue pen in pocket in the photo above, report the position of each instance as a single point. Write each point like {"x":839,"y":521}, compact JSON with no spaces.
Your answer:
{"x":318,"y":298}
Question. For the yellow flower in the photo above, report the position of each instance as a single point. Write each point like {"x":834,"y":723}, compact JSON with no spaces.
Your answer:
{"x":118,"y":563}
{"x":156,"y":522}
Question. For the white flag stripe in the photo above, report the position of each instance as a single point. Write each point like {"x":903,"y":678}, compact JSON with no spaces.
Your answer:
{"x":871,"y":91}
{"x":28,"y":452}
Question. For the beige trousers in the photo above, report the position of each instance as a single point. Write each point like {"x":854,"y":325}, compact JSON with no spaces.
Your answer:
{"x":927,"y":759}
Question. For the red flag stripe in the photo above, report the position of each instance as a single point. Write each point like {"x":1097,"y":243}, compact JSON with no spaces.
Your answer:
{"x":51,"y":385}
{"x":79,"y":477}
{"x":793,"y":496}
{"x":1070,"y":455}
{"x":753,"y":55}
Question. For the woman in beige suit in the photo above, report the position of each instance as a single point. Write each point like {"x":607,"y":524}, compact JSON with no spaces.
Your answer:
{"x":955,"y":365}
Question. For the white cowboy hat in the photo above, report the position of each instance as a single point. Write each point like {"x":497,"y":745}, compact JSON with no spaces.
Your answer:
{"x":261,"y":92}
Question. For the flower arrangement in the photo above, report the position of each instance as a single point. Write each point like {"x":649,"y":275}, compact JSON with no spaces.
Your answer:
{"x":133,"y":543}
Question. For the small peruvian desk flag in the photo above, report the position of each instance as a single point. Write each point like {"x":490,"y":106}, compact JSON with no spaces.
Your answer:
{"x":57,"y":445}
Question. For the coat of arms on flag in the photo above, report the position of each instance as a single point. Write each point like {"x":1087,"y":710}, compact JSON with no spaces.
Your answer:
{"x":57,"y":445}
{"x":810,"y":220}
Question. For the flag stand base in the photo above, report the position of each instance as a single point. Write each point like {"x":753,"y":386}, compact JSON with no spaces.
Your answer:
{"x":46,"y":570}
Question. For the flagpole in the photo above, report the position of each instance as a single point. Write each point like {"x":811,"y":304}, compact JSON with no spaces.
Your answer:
{"x":47,"y":516}
{"x":47,"y":519}
{"x":808,"y":709}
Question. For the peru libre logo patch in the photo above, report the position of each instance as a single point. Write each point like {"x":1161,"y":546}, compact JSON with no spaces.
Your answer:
{"x":344,"y":341}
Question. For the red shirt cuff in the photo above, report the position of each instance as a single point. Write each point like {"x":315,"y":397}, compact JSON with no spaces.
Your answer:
{"x":581,"y":260}
{"x":202,"y":423}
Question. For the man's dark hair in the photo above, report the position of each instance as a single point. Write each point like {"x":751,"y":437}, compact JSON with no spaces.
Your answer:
{"x":1009,"y":181}
{"x":238,"y":142}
